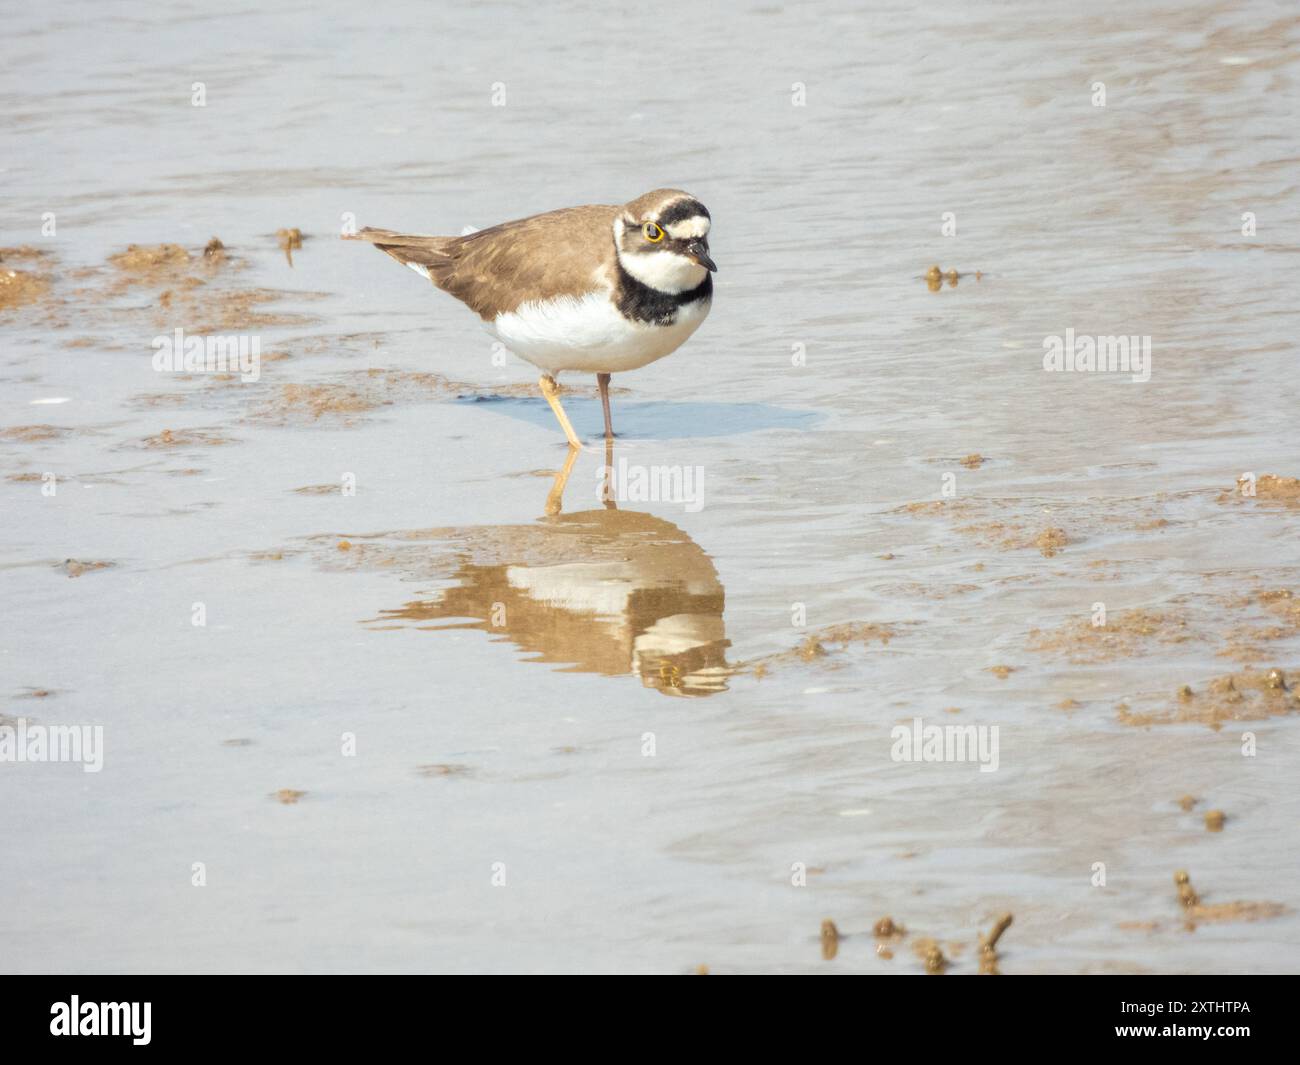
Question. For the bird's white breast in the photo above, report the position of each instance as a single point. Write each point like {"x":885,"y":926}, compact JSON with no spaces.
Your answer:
{"x":589,"y":334}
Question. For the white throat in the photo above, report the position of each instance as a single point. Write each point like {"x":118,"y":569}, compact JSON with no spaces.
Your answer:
{"x":664,"y":271}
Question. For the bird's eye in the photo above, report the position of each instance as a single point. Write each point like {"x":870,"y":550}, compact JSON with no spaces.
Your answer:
{"x":652,"y":233}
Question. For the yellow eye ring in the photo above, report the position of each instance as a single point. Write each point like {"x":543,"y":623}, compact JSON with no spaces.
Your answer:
{"x":652,"y":233}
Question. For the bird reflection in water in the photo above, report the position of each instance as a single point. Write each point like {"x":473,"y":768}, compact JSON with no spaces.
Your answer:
{"x":603,"y":591}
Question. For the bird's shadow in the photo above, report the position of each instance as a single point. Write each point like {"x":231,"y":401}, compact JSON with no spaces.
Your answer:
{"x":654,"y":419}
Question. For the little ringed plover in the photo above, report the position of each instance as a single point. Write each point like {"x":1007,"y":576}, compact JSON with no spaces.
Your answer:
{"x":598,"y":289}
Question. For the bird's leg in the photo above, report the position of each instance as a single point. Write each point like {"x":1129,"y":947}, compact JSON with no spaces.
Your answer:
{"x":555,"y":499}
{"x":607,"y":489}
{"x":552,"y":393}
{"x":602,"y":379}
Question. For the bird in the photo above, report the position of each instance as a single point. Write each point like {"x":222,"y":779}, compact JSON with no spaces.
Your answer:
{"x":597,"y":289}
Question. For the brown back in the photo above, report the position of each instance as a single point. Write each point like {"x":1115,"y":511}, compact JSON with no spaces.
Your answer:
{"x":495,"y":270}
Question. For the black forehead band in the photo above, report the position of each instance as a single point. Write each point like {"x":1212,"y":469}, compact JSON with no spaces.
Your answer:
{"x":682,"y":210}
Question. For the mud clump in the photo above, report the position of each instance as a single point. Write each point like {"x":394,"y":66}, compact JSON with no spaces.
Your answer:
{"x":290,"y":241}
{"x":830,"y":936}
{"x":1286,"y":489}
{"x":344,"y":401}
{"x":320,"y":401}
{"x":21,"y":287}
{"x":812,"y":648}
{"x":33,"y":434}
{"x":1268,"y":487}
{"x":442,"y":769}
{"x":931,"y":955}
{"x":1249,"y":695}
{"x":170,"y":438}
{"x":1282,"y":603}
{"x":1128,"y":633}
{"x":287,"y":796}
{"x":1198,"y":912}
{"x":1050,"y":541}
{"x":75,"y":568}
{"x":190,"y":289}
{"x":825,"y":644}
{"x":863,"y":632}
{"x":989,"y":946}
{"x":936,"y":276}
{"x":148,"y":262}
{"x":1249,"y":642}
{"x":885,"y":928}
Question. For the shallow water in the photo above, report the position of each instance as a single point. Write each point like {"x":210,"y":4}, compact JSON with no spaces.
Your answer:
{"x":524,"y":742}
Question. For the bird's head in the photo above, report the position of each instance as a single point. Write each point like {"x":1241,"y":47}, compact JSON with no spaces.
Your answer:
{"x":663,"y":240}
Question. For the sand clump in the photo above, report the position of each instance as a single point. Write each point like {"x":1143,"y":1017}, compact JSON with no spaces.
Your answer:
{"x":1269,"y":487}
{"x":1008,"y":537}
{"x":192,"y":289}
{"x":143,"y":262}
{"x":287,"y":796}
{"x":1248,"y":695}
{"x":290,"y":240}
{"x":34,"y":434}
{"x":1198,"y":912}
{"x":75,"y":567}
{"x":343,"y":401}
{"x":1126,"y":633}
{"x":21,"y":287}
{"x":314,"y":402}
{"x":830,"y":936}
{"x":170,"y":438}
{"x":825,"y":643}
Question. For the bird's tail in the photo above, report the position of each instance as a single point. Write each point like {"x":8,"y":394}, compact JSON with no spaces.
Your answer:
{"x":427,"y":256}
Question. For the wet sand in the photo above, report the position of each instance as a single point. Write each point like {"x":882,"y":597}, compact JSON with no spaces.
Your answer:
{"x":433,"y":659}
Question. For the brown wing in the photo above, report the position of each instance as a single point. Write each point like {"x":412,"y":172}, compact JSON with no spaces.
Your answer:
{"x":494,"y":270}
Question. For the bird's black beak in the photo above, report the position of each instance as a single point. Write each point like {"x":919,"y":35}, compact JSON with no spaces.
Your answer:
{"x":700,"y":254}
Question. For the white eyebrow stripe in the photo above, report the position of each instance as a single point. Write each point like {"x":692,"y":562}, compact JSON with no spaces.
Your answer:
{"x":688,"y":227}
